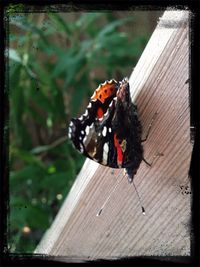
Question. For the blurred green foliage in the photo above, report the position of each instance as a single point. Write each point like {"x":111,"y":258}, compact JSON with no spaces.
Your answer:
{"x":55,"y":61}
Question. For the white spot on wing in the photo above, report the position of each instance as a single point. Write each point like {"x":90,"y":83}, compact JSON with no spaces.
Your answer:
{"x":106,"y":114}
{"x":89,"y":134}
{"x":69,"y":135}
{"x":86,"y":113}
{"x":104,"y":131}
{"x":87,"y":130}
{"x":105,"y":148}
{"x":93,"y":97}
{"x":82,"y":132}
{"x":81,"y":148}
{"x":105,"y":154}
{"x":89,"y":105}
{"x":91,"y":126}
{"x":111,"y":103}
{"x":110,"y":130}
{"x":84,"y":140}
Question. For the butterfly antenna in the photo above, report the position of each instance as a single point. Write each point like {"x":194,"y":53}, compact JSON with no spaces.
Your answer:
{"x":105,"y":202}
{"x":143,"y":210}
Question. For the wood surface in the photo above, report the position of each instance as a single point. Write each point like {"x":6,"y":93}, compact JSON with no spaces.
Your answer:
{"x":159,"y":84}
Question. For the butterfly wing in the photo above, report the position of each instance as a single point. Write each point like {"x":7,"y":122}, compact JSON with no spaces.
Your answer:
{"x":91,"y":132}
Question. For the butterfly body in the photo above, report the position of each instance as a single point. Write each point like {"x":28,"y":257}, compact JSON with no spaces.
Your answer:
{"x":109,"y":131}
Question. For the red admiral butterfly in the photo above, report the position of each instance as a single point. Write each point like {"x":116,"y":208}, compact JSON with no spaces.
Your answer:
{"x":109,"y":132}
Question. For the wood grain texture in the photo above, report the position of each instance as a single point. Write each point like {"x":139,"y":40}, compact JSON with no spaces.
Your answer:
{"x":158,"y":84}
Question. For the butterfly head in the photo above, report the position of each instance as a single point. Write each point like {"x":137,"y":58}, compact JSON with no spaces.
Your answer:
{"x":123,"y":94}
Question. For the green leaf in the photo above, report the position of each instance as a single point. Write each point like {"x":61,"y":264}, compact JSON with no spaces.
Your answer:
{"x":112,"y":26}
{"x":88,"y":19}
{"x":60,"y":23}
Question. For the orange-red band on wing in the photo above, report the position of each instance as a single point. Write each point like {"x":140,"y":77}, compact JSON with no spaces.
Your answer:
{"x":104,"y":91}
{"x":119,"y":151}
{"x":99,"y":113}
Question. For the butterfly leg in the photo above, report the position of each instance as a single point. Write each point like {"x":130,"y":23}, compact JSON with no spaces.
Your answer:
{"x":157,"y":155}
{"x":149,"y":128}
{"x":130,"y":172}
{"x":145,"y":139}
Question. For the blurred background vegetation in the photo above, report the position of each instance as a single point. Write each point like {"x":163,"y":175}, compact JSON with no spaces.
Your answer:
{"x":54,"y":63}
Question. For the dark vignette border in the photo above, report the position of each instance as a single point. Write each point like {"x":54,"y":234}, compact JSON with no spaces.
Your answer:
{"x":8,"y":259}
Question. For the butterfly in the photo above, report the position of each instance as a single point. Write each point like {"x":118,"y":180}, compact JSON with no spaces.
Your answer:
{"x":109,"y":131}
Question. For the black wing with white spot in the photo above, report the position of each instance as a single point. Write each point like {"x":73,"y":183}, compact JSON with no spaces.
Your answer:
{"x":93,"y":136}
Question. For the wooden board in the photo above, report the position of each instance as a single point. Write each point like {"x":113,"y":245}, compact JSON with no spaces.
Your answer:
{"x":159,"y":83}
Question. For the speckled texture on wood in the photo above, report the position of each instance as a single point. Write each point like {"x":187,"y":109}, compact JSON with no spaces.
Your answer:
{"x":158,"y":84}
